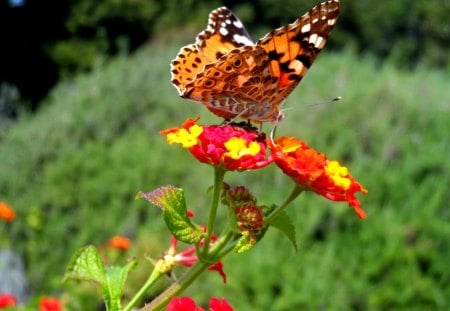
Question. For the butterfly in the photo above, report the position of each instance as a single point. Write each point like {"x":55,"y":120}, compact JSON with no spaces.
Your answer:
{"x":236,"y":78}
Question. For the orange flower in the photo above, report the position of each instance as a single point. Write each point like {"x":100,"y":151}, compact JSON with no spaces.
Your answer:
{"x":7,"y":212}
{"x":313,"y":171}
{"x":50,"y":304}
{"x":119,"y":242}
{"x":231,"y":147}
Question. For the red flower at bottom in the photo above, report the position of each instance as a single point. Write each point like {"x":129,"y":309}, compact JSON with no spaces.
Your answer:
{"x":183,"y":304}
{"x":313,"y":171}
{"x":188,"y":304}
{"x":50,"y":304}
{"x":7,"y":300}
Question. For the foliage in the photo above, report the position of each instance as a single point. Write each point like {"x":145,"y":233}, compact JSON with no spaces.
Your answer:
{"x":72,"y":170}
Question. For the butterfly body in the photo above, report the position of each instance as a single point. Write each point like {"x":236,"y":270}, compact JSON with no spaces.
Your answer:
{"x":235,"y":78}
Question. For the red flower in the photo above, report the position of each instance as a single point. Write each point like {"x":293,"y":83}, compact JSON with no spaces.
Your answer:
{"x":188,"y":304}
{"x":313,"y":171}
{"x":183,"y":304}
{"x":7,"y":300}
{"x":228,"y":146}
{"x":219,"y":305}
{"x":119,"y":242}
{"x":7,"y":212}
{"x":50,"y":304}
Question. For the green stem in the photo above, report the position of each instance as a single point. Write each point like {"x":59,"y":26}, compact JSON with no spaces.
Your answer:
{"x":276,"y":212}
{"x":163,"y":299}
{"x":150,"y":281}
{"x":219,"y":245}
{"x":219,"y":173}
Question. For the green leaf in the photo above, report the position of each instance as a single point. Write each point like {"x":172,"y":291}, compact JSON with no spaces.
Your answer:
{"x":171,"y":200}
{"x":115,"y":281}
{"x":86,"y":264}
{"x":284,"y":223}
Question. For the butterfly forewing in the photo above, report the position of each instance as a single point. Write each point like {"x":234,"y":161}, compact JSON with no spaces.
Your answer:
{"x":293,"y":48}
{"x":224,"y":33}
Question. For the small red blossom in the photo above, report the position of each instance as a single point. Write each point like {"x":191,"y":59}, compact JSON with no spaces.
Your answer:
{"x":7,"y":300}
{"x":220,"y":305}
{"x":183,"y":304}
{"x":6,"y":212}
{"x":188,"y":304}
{"x":230,"y":147}
{"x":119,"y":242}
{"x":50,"y":304}
{"x":313,"y":171}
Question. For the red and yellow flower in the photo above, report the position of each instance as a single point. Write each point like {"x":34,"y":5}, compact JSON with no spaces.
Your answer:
{"x":313,"y":171}
{"x":227,"y":146}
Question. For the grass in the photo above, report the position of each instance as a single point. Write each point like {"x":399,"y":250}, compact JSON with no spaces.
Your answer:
{"x":72,"y":170}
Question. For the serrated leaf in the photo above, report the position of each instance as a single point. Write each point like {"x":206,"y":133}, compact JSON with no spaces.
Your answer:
{"x":284,"y":223}
{"x":115,"y":281}
{"x":246,"y":242}
{"x":86,"y":264}
{"x":171,"y":200}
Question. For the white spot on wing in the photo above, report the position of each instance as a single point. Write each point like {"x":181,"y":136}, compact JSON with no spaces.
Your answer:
{"x":238,"y":24}
{"x":320,"y":42}
{"x":306,"y":28}
{"x":242,"y":39}
{"x":223,"y":31}
{"x":331,"y":21}
{"x":296,"y":65}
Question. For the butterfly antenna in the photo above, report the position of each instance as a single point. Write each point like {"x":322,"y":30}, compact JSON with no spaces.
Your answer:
{"x":325,"y":102}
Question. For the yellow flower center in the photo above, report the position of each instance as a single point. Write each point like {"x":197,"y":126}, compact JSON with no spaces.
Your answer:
{"x":185,"y":137}
{"x":289,"y":144}
{"x":237,"y":148}
{"x":339,"y":174}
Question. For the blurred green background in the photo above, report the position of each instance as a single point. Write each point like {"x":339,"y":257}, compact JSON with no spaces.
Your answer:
{"x":80,"y":114}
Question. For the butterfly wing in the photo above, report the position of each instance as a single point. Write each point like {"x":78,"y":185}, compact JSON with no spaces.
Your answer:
{"x":252,"y":81}
{"x":236,"y":84}
{"x":224,"y":33}
{"x":293,"y":48}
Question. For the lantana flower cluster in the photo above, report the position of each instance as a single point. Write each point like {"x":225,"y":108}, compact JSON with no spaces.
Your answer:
{"x":230,"y":147}
{"x":234,"y":147}
{"x":312,"y":170}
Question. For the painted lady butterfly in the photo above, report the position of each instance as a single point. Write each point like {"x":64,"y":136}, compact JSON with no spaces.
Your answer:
{"x":233,"y":77}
